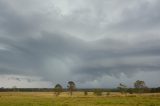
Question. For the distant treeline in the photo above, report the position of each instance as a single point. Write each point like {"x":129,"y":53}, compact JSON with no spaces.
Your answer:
{"x":155,"y":90}
{"x":51,"y":89}
{"x":129,"y":90}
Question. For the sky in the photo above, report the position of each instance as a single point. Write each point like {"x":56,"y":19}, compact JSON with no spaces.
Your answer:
{"x":95,"y":43}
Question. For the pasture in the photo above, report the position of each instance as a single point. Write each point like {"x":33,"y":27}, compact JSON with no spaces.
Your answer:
{"x":78,"y":99}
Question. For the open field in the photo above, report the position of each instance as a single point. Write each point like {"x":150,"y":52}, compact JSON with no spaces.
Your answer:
{"x":78,"y":99}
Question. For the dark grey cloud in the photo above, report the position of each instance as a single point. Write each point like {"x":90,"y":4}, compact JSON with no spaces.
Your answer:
{"x":140,"y":18}
{"x":84,"y":41}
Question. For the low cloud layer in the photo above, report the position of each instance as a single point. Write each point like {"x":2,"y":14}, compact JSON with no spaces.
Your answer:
{"x":94,"y":43}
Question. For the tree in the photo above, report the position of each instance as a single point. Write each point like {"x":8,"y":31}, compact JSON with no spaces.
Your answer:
{"x":71,"y":87}
{"x":140,"y":86}
{"x":58,"y":89}
{"x":122,"y":88}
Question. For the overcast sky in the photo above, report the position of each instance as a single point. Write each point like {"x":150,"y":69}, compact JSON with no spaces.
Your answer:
{"x":96,"y":43}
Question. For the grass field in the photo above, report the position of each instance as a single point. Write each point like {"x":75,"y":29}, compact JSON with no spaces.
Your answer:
{"x":78,"y":99}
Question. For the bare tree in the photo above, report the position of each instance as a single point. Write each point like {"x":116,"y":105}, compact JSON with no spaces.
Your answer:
{"x":122,"y":88}
{"x":71,"y":87}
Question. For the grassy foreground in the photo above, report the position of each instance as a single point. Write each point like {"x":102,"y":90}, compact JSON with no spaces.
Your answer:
{"x":78,"y":99}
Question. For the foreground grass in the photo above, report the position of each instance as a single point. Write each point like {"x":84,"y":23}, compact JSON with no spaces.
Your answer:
{"x":48,"y":99}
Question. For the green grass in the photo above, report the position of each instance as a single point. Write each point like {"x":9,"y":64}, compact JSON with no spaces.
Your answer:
{"x":48,"y":99}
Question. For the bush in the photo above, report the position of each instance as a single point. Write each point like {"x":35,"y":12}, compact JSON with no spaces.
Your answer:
{"x":108,"y":93}
{"x":130,"y":91}
{"x":97,"y":92}
{"x":85,"y":93}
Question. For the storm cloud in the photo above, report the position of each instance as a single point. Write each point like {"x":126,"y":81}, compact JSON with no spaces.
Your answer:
{"x":96,"y":43}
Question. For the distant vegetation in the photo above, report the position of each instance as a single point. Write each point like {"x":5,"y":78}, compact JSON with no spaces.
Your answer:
{"x":97,"y":92}
{"x":139,"y":87}
{"x":122,"y":88}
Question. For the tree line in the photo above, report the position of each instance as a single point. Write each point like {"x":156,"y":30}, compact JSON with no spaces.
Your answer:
{"x":139,"y":87}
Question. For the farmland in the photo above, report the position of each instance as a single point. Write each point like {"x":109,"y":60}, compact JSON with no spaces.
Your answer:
{"x":78,"y":99}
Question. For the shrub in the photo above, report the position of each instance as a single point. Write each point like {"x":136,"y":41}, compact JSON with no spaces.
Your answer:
{"x":108,"y":93}
{"x":97,"y":92}
{"x":85,"y":93}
